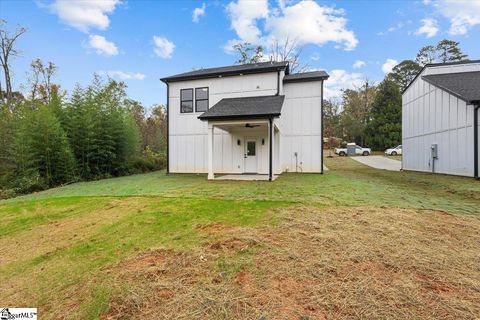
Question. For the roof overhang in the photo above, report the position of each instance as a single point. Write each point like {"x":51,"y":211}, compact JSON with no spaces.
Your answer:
{"x":229,"y":71}
{"x":306,"y":77}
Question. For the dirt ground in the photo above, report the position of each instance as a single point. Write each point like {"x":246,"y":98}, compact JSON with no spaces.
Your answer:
{"x":335,"y":263}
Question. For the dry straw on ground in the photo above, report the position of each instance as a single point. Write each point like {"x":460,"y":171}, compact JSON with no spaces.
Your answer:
{"x":337,"y":263}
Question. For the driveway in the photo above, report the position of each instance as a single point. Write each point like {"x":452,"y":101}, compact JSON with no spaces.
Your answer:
{"x":379,"y":162}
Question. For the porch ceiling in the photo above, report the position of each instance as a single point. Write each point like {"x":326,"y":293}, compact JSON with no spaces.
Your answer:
{"x":243,"y":127}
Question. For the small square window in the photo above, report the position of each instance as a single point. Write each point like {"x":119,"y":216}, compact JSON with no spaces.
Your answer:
{"x":202,"y":105}
{"x":187,"y":106}
{"x":187,"y":94}
{"x":201,"y":93}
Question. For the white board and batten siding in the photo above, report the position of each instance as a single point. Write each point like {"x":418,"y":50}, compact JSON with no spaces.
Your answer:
{"x":431,"y":115}
{"x":188,"y":135}
{"x":300,"y":127}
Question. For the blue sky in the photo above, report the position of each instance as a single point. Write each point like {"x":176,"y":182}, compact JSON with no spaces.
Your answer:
{"x":142,"y":41}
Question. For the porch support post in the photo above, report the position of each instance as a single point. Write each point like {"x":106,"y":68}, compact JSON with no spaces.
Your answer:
{"x":210,"y":143}
{"x":270,"y":147}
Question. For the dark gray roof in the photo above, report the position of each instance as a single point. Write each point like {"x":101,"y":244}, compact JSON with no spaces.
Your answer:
{"x":306,"y":76}
{"x":436,"y":65}
{"x":245,"y":108}
{"x":463,"y":85}
{"x":229,"y":71}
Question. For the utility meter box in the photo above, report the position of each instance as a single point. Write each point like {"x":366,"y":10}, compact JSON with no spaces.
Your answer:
{"x":351,"y":149}
{"x":434,"y":150}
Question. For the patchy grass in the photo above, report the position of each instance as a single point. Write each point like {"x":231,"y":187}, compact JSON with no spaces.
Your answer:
{"x":354,"y":242}
{"x":360,"y":262}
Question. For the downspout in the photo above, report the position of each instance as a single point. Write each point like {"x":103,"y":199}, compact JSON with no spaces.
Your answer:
{"x":475,"y":141}
{"x":321,"y":130}
{"x":278,"y":82}
{"x":270,"y":147}
{"x":168,"y":131}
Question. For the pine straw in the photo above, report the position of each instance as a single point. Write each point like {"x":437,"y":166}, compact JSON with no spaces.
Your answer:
{"x":339,"y":263}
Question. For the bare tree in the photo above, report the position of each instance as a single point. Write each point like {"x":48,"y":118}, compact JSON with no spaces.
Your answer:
{"x":34,"y":78}
{"x":7,"y":50}
{"x":288,"y":50}
{"x":248,"y":53}
{"x":40,"y":80}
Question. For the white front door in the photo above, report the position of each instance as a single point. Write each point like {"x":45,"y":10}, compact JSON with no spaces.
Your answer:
{"x":250,"y":156}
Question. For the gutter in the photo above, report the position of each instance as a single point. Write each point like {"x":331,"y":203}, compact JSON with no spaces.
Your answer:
{"x":321,"y":131}
{"x":168,"y":128}
{"x":278,"y":82}
{"x":475,"y":141}
{"x":270,"y":147}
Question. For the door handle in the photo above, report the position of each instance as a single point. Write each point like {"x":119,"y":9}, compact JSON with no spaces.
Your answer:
{"x":245,"y":156}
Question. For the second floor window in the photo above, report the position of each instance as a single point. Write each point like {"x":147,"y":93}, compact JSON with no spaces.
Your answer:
{"x":201,"y":99}
{"x":186,"y":100}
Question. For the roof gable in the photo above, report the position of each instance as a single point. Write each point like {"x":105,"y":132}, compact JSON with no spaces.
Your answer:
{"x":463,"y":85}
{"x":437,"y":65}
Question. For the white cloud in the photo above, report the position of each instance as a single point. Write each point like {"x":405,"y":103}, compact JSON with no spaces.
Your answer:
{"x":358,"y":64}
{"x":244,"y":15}
{"x":340,"y":80}
{"x":429,"y":28}
{"x":462,"y":14}
{"x":305,"y":22}
{"x":398,"y":26}
{"x":315,"y":56}
{"x":84,"y":14}
{"x":117,"y":74}
{"x":389,"y":65}
{"x":102,"y":46}
{"x":198,"y":12}
{"x":308,"y":22}
{"x":163,"y":47}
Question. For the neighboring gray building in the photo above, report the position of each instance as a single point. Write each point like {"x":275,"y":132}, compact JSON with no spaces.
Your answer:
{"x":440,"y":128}
{"x":254,"y":118}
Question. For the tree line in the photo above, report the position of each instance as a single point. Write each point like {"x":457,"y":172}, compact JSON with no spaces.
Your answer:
{"x":50,"y":138}
{"x":369,"y":114}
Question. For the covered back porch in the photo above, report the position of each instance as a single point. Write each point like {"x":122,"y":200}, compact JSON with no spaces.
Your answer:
{"x":253,"y":138}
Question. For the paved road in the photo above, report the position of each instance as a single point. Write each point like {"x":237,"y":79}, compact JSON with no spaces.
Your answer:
{"x":379,"y":162}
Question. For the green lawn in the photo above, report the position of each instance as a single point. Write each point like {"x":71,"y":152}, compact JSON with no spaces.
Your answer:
{"x":60,"y":248}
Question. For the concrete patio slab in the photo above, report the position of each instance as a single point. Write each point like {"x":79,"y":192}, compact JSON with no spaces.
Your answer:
{"x":379,"y":162}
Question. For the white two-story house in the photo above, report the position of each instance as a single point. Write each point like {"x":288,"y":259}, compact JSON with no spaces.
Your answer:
{"x":253,"y":118}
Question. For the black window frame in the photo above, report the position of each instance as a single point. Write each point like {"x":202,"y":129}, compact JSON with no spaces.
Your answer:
{"x":181,"y":101}
{"x":208,"y":98}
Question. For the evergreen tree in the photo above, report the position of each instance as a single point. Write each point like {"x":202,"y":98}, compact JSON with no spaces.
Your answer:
{"x":405,"y":72}
{"x":449,"y":50}
{"x":426,"y":55}
{"x":42,"y":148}
{"x":445,"y":51}
{"x":385,"y":128}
